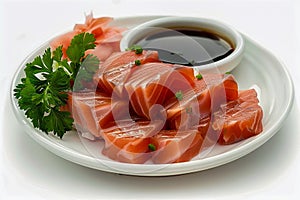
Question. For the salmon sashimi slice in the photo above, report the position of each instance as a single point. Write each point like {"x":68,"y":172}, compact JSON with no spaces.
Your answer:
{"x":128,"y":141}
{"x":114,"y":71}
{"x":225,"y":81}
{"x":176,"y":146}
{"x":198,"y":103}
{"x":151,"y":84}
{"x":239,"y":119}
{"x":93,"y":112}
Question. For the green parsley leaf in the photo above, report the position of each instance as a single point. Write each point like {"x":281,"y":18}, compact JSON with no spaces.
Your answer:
{"x":151,"y":147}
{"x":57,"y":54}
{"x":58,"y":122}
{"x":137,"y":48}
{"x":47,"y":80}
{"x":90,"y":63}
{"x":86,"y":71}
{"x":179,"y":95}
{"x":199,"y":76}
{"x":43,"y":92}
{"x":137,"y":62}
{"x":79,"y":44}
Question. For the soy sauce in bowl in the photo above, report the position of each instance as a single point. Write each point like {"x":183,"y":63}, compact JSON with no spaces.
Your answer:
{"x":207,"y":45}
{"x":187,"y":46}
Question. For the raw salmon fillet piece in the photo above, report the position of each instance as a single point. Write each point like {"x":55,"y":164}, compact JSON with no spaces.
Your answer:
{"x":115,"y":70}
{"x":176,"y":146}
{"x":128,"y":141}
{"x":94,"y":112}
{"x":239,"y":119}
{"x":200,"y":101}
{"x":151,"y":84}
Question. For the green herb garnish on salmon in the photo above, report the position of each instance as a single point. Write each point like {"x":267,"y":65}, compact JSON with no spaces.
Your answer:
{"x":47,"y":80}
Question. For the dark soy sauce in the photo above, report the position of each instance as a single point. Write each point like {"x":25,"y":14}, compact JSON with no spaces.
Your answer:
{"x":187,"y":47}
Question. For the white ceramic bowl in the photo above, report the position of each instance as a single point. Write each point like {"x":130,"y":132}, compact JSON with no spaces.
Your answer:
{"x":227,"y":32}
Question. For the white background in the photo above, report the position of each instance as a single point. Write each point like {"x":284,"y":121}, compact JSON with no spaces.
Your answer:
{"x":28,"y":171}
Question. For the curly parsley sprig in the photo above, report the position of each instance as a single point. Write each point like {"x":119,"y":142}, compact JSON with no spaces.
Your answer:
{"x":47,"y":80}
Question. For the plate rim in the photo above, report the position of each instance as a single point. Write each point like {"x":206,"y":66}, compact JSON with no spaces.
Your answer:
{"x":172,"y":169}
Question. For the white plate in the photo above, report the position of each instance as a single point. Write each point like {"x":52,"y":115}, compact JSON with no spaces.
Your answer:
{"x":258,"y":69}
